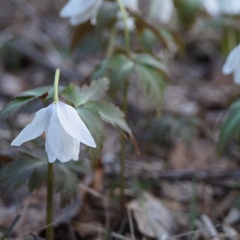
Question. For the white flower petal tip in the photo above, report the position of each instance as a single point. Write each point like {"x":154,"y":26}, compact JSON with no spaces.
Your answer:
{"x":64,"y":131}
{"x":232,"y":64}
{"x":32,"y":130}
{"x":161,"y":11}
{"x":80,"y":11}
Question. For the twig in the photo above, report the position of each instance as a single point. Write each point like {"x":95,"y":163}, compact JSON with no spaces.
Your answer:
{"x":5,"y":235}
{"x":130,"y":218}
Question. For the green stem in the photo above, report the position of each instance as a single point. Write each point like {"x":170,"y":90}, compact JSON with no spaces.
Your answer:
{"x":49,"y":216}
{"x":9,"y":230}
{"x":56,"y":81}
{"x":125,"y":17}
{"x":122,"y":150}
{"x":111,"y":41}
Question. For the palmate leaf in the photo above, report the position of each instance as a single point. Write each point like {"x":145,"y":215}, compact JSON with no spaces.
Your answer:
{"x":94,"y":113}
{"x":31,"y":168}
{"x":150,"y":61}
{"x":92,"y":119}
{"x":152,"y":82}
{"x":101,"y":69}
{"x":230,"y":129}
{"x":24,"y":98}
{"x":111,"y":114}
{"x":121,"y":66}
{"x":20,"y":171}
{"x":66,"y":179}
{"x":79,"y":96}
{"x":151,"y":72}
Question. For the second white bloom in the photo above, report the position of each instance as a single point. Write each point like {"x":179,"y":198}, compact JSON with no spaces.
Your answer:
{"x":64,"y":131}
{"x":232,"y":64}
{"x":80,"y":11}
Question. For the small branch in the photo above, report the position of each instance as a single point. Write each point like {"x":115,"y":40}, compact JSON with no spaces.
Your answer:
{"x":199,"y":175}
{"x":216,"y":178}
{"x":9,"y":230}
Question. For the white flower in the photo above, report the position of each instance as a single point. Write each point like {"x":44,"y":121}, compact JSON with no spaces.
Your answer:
{"x":132,"y":5}
{"x":212,"y":7}
{"x":216,"y":7}
{"x":232,"y":64}
{"x":120,"y":22}
{"x":161,"y":10}
{"x":80,"y":11}
{"x":230,"y":7}
{"x":64,"y":130}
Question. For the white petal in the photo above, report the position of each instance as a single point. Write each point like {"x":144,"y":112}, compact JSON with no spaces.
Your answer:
{"x":161,"y":10}
{"x":236,"y":76}
{"x":230,"y":7}
{"x":95,"y":12}
{"x":73,"y":124}
{"x":59,"y":144}
{"x":233,"y":61}
{"x":32,"y":130}
{"x":76,"y":7}
{"x":211,"y":6}
{"x":80,"y":18}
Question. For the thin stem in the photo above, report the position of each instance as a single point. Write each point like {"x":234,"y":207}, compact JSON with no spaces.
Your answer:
{"x":56,"y":81}
{"x":111,"y":41}
{"x":49,"y":216}
{"x":122,"y":150}
{"x":9,"y":230}
{"x":125,"y":17}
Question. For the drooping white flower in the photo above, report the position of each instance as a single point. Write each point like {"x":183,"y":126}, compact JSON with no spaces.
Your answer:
{"x":64,"y":130}
{"x":161,"y":10}
{"x":217,"y":7}
{"x":232,"y":64}
{"x":132,"y":5}
{"x":80,"y":11}
{"x":212,"y":7}
{"x":230,"y":7}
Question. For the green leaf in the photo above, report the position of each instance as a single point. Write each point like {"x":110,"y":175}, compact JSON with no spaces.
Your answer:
{"x":30,"y":167}
{"x":93,"y":122}
{"x":66,"y":182}
{"x":13,"y":106}
{"x":79,"y":96}
{"x":66,"y":179}
{"x":153,"y":82}
{"x":111,"y":114}
{"x":121,"y":66}
{"x":230,"y":129}
{"x":19,"y":172}
{"x":101,"y":69}
{"x":151,"y":72}
{"x":150,"y":61}
{"x":24,"y":98}
{"x":37,"y":92}
{"x":38,"y":176}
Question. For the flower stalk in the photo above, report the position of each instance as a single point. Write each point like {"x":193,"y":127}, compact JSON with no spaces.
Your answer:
{"x":124,"y":106}
{"x":125,"y":17}
{"x":56,"y":81}
{"x":50,"y":194}
{"x":50,"y":175}
{"x":122,"y":150}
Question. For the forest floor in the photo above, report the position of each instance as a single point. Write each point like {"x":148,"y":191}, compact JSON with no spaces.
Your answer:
{"x":179,"y":187}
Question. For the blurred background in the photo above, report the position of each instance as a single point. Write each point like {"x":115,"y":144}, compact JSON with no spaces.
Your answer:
{"x":182,"y":181}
